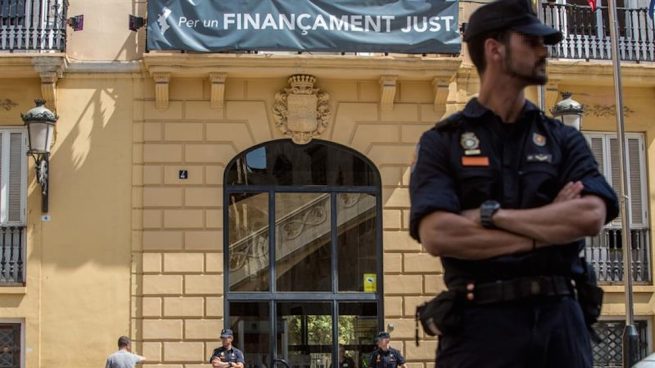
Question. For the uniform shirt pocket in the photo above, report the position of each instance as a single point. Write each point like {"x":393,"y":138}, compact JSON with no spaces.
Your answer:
{"x":539,"y":184}
{"x":475,"y":186}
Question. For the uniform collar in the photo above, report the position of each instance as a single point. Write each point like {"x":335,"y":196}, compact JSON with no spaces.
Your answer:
{"x":474,"y":109}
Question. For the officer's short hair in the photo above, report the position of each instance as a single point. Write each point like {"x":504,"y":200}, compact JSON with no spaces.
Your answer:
{"x":475,"y":47}
{"x":123,"y":341}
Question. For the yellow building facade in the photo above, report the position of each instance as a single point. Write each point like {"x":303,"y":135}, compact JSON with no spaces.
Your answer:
{"x":142,"y":185}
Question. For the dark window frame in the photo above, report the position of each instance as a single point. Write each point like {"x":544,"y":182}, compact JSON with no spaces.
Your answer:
{"x":17,"y":329}
{"x":334,"y":296}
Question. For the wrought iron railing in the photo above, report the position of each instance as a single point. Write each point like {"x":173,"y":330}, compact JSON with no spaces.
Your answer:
{"x":33,"y":25}
{"x":10,"y":345}
{"x":605,"y":253}
{"x":12,"y":255}
{"x":587,"y":33}
{"x":608,"y":352}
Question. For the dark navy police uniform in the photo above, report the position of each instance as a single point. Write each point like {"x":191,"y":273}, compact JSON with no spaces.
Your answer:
{"x":233,"y":355}
{"x":390,"y":358}
{"x":472,"y":157}
{"x":347,"y":362}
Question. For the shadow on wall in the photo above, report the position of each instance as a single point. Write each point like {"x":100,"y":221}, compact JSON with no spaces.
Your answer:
{"x":90,"y":177}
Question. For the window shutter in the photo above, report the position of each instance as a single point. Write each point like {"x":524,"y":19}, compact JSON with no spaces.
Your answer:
{"x":13,"y":181}
{"x":635,"y":177}
{"x":15,"y":176}
{"x":596,"y":144}
{"x":615,"y":173}
{"x":614,"y":164}
{"x":605,"y":148}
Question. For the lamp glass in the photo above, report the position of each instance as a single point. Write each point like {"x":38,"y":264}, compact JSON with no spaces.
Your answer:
{"x":40,"y":135}
{"x":572,"y":120}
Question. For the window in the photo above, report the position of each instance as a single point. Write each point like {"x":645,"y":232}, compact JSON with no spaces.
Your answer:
{"x":303,"y":253}
{"x":605,"y":251}
{"x":10,"y":345}
{"x":605,"y":148}
{"x":13,"y":200}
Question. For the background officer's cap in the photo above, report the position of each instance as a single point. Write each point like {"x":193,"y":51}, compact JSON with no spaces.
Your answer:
{"x":515,"y":15}
{"x":382,"y":335}
{"x":226,"y":333}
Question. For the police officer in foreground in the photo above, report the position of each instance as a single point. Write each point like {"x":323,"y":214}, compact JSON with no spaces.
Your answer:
{"x":384,"y":356}
{"x":227,"y":356}
{"x":505,"y":196}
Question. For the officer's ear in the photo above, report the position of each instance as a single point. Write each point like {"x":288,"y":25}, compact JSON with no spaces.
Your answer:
{"x":494,"y":50}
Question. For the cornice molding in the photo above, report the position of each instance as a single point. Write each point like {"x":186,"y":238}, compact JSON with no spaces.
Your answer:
{"x":32,"y":65}
{"x":405,"y":67}
{"x":47,"y":67}
{"x":600,"y":73}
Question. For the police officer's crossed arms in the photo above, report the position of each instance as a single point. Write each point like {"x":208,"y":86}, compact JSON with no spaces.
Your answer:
{"x":384,"y":356}
{"x":227,"y":356}
{"x":505,"y":196}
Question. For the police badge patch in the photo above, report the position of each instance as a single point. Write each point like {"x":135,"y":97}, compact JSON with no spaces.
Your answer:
{"x":470,"y":143}
{"x":539,"y":139}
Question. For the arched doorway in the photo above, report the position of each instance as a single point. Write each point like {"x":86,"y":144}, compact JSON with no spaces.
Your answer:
{"x":303,"y":254}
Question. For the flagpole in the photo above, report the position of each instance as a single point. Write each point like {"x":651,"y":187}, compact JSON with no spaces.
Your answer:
{"x":630,"y":337}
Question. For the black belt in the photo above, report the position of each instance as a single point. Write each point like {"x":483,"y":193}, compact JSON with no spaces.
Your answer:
{"x":520,"y":288}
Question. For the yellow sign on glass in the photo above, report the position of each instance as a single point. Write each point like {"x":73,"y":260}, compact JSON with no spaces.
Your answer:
{"x":370,"y":283}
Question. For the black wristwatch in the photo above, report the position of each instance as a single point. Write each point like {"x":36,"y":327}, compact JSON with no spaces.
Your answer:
{"x":487,"y":210}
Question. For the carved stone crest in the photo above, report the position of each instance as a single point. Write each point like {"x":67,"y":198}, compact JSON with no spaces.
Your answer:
{"x":606,"y":111}
{"x":302,"y":111}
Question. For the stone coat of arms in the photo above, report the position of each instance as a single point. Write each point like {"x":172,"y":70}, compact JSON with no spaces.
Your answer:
{"x":302,"y":111}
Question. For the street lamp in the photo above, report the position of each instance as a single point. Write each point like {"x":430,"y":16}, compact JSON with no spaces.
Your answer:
{"x":41,"y":130}
{"x":569,"y":110}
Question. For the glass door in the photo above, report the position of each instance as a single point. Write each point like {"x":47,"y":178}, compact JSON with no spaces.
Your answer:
{"x":251,"y":324}
{"x":303,"y":250}
{"x":304,"y":333}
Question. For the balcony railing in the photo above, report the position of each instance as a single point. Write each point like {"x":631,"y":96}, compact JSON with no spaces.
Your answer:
{"x":587,"y":33}
{"x":33,"y":25}
{"x":608,"y":352}
{"x":605,"y":253}
{"x":12,"y":255}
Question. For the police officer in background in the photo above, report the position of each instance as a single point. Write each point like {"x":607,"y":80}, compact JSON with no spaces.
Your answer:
{"x":384,"y":356}
{"x":345,"y":361}
{"x":505,"y":196}
{"x":227,"y":356}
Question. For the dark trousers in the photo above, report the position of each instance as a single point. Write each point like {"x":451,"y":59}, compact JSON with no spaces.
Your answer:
{"x":528,"y":334}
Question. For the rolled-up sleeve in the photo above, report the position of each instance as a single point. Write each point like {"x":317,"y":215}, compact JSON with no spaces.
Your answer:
{"x":579,"y":165}
{"x":431,"y":186}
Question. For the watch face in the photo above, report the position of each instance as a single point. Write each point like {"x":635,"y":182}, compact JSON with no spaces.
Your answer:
{"x":491,"y":205}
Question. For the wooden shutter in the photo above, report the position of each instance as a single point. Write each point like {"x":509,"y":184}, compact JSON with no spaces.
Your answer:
{"x":13,"y":180}
{"x":16,"y":153}
{"x":605,"y":148}
{"x":636,"y":179}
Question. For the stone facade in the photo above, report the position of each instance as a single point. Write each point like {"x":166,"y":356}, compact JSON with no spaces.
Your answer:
{"x":131,"y":248}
